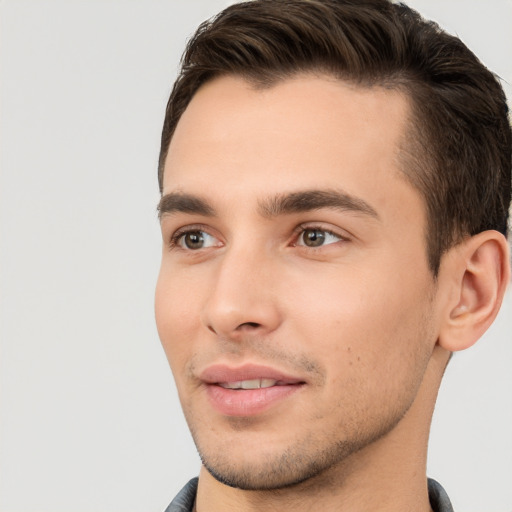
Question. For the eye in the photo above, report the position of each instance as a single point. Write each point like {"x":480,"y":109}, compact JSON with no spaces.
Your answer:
{"x":194,"y":240}
{"x":316,"y":237}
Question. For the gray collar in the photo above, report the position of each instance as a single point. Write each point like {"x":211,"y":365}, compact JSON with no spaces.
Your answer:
{"x":184,"y":501}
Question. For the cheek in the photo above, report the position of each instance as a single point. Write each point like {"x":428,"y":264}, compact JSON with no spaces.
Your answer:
{"x":374,"y":348}
{"x":176,"y":316}
{"x":369,"y":324}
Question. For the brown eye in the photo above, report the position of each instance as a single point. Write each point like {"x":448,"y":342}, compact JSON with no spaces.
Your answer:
{"x":195,"y":239}
{"x":317,"y":237}
{"x":192,"y":240}
{"x":313,"y":237}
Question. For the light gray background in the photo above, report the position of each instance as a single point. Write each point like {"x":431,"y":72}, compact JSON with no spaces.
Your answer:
{"x":89,"y":419}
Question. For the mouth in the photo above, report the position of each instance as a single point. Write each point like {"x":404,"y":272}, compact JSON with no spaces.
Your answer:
{"x":248,"y":390}
{"x":252,"y":384}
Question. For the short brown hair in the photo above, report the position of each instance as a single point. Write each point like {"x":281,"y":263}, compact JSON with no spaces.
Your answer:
{"x":458,"y":154}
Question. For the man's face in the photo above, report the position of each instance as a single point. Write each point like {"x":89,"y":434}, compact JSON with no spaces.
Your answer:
{"x":294,"y":300}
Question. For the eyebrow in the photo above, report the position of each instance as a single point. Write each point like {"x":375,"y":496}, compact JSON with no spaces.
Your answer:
{"x":309,"y":200}
{"x":281,"y":204}
{"x":184,"y":203}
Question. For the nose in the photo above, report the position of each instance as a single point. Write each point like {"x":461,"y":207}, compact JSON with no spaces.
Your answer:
{"x":243,"y":297}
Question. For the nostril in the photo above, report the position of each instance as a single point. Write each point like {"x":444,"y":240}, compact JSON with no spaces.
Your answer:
{"x":239,"y":328}
{"x":249,"y":324}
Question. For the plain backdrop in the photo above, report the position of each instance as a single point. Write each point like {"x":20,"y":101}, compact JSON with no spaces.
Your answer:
{"x":89,"y":418}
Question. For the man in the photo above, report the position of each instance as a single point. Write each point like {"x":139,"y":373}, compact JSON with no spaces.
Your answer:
{"x":335,"y":179}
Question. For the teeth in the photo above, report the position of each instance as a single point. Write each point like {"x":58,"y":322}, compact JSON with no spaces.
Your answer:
{"x":267,"y":383}
{"x":249,"y":384}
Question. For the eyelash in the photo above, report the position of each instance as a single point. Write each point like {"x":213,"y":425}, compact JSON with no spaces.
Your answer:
{"x":174,"y":242}
{"x":315,"y":227}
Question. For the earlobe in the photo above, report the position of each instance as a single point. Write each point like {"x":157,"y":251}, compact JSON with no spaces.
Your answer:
{"x":479,"y":274}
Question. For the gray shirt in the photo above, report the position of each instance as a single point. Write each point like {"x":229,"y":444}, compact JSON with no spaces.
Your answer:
{"x":184,"y":501}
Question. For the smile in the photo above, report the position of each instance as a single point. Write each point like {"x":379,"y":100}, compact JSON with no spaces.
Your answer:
{"x":248,"y":390}
{"x":250,"y":384}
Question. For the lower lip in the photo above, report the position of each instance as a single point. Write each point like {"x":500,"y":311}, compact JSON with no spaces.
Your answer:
{"x":248,"y":402}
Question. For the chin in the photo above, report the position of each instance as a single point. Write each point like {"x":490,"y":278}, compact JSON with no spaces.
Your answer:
{"x":273,"y":471}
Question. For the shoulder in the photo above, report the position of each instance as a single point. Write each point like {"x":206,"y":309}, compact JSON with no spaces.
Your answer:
{"x":439,"y":500}
{"x":184,"y":500}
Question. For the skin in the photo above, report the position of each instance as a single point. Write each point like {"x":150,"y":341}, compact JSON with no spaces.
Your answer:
{"x":357,"y":318}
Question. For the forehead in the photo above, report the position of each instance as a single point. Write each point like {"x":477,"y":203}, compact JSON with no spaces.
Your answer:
{"x":304,"y":132}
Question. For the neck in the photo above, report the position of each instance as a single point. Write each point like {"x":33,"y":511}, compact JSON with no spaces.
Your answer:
{"x":388,"y":475}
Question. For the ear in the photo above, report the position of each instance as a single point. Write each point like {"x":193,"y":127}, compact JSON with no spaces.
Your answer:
{"x":477,"y":273}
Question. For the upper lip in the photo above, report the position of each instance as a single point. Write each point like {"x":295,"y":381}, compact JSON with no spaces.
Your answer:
{"x":219,"y":373}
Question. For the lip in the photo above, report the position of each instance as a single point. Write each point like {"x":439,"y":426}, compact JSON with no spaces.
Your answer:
{"x":223,"y":373}
{"x":247,"y":402}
